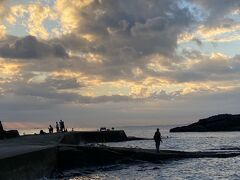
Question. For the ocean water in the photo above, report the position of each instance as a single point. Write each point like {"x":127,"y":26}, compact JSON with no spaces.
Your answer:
{"x":201,"y":168}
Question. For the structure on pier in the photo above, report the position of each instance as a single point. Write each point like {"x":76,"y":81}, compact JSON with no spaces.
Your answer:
{"x":7,"y":134}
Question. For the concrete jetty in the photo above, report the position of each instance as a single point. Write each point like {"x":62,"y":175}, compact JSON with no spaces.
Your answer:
{"x":81,"y":156}
{"x":36,"y":156}
{"x":93,"y":137}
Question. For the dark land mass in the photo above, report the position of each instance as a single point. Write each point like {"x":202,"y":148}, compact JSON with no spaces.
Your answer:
{"x":221,"y":122}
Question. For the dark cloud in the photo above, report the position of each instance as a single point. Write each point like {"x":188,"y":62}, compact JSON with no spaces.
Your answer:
{"x":187,"y":109}
{"x":163,"y":95}
{"x":62,"y":83}
{"x":126,"y":33}
{"x":57,"y":91}
{"x":30,"y":48}
{"x":197,"y":41}
{"x":196,"y":66}
{"x":67,"y":97}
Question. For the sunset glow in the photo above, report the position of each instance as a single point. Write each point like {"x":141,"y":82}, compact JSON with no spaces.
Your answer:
{"x":94,"y":62}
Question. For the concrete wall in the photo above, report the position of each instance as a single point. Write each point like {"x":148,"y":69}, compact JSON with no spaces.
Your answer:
{"x":94,"y":136}
{"x":30,"y":166}
{"x":36,"y":156}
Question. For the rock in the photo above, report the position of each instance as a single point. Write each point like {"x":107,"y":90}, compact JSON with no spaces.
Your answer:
{"x":221,"y":122}
{"x":1,"y":127}
{"x":11,"y":134}
{"x":133,"y":138}
{"x":7,"y":134}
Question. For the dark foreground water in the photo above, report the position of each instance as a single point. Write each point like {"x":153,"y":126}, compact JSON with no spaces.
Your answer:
{"x":202,"y":168}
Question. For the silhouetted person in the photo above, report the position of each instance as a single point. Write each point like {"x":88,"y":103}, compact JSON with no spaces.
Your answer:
{"x":157,"y":138}
{"x":62,"y":126}
{"x":50,"y":128}
{"x":57,"y":127}
{"x":42,"y":132}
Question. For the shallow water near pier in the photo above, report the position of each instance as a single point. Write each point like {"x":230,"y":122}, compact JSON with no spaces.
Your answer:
{"x":201,"y":168}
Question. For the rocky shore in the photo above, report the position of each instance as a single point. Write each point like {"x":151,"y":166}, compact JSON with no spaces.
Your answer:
{"x":221,"y":122}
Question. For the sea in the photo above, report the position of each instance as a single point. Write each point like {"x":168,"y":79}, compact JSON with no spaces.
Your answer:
{"x":192,"y":169}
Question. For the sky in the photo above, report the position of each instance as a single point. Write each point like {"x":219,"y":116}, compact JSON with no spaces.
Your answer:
{"x":111,"y":63}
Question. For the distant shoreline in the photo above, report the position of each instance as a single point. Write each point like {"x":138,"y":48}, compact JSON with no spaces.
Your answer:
{"x":217,"y":123}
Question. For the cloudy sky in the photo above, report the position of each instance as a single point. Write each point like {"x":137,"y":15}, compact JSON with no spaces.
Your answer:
{"x":117,"y":62}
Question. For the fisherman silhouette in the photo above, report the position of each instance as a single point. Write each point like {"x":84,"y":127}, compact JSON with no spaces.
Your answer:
{"x":157,"y":138}
{"x":57,"y":127}
{"x":62,"y":126}
{"x":50,"y":128}
{"x":42,"y":132}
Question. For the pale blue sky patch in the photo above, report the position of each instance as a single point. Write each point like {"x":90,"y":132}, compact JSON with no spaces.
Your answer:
{"x":16,"y":30}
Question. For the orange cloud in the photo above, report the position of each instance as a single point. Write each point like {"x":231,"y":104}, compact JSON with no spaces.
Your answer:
{"x":2,"y":31}
{"x":68,"y":13}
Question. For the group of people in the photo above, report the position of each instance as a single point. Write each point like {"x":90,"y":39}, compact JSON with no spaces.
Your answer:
{"x":60,"y":127}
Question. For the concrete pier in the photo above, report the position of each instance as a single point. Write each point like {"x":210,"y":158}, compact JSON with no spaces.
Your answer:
{"x":93,"y":137}
{"x":82,"y":156}
{"x":36,"y":156}
{"x":29,"y":163}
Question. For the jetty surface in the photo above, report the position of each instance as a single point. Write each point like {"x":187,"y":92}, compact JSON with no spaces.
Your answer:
{"x":36,"y":156}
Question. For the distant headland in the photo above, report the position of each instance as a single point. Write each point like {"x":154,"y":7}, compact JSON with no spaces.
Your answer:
{"x":221,"y":122}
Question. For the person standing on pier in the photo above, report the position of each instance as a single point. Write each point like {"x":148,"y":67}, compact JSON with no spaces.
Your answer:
{"x":50,"y":128}
{"x":57,"y":127}
{"x":62,"y":126}
{"x":157,"y":138}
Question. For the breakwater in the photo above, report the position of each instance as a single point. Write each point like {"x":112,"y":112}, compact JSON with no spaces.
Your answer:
{"x":32,"y":157}
{"x":35,"y":156}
